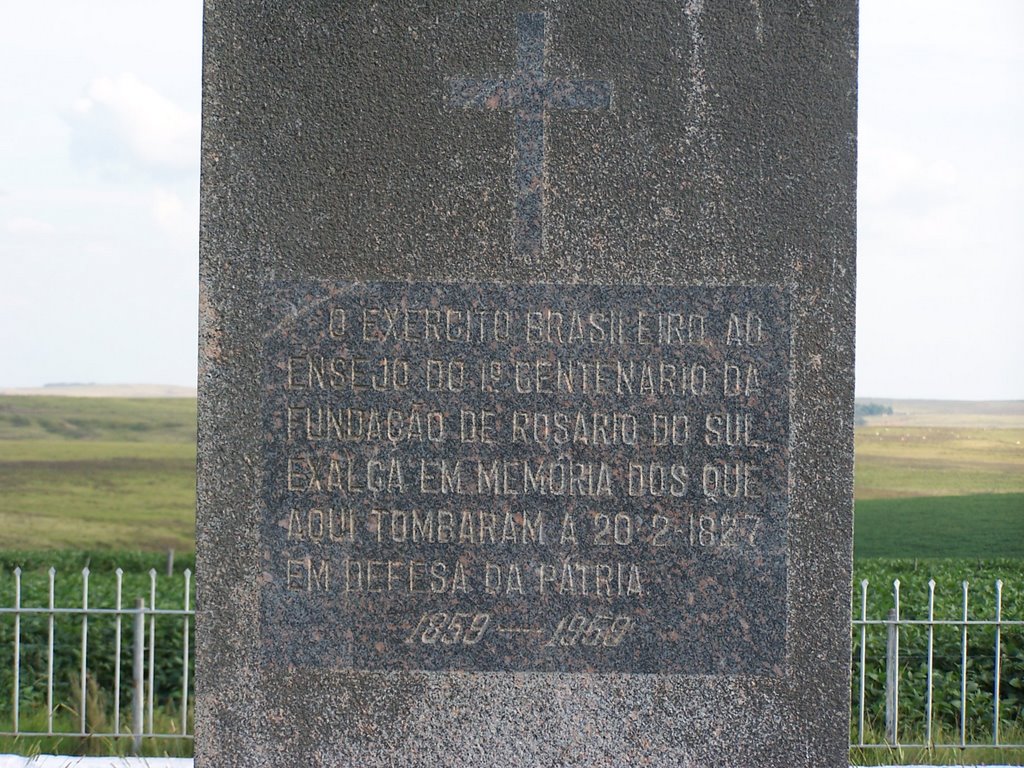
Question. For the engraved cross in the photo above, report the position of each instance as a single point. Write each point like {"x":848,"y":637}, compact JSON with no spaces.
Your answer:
{"x":529,"y":95}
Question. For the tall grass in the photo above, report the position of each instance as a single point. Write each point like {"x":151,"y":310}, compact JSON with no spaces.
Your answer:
{"x":99,"y":719}
{"x":900,"y":755}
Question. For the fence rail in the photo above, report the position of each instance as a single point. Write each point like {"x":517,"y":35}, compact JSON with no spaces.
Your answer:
{"x":882,"y":651}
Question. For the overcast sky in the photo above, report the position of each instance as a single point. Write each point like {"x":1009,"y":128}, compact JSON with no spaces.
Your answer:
{"x":99,"y":200}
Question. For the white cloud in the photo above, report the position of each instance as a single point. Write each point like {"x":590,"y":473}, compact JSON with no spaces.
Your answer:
{"x":124,"y":122}
{"x":891,"y":173}
{"x":174,"y":215}
{"x":26,"y":225}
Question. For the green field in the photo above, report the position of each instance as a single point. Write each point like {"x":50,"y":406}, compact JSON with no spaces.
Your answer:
{"x":950,"y":491}
{"x":940,"y":486}
{"x":107,"y":473}
{"x":977,"y":526}
{"x":97,"y":473}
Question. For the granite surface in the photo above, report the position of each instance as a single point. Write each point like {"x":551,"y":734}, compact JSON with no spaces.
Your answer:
{"x":372,"y":170}
{"x":512,"y":477}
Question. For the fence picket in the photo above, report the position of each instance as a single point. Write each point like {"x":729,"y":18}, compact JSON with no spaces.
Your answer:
{"x":117,"y":652}
{"x":863,"y":658}
{"x":85,"y":649}
{"x":17,"y":649}
{"x":931,"y":663}
{"x":138,"y":640}
{"x":963,"y":674}
{"x":997,"y":663}
{"x":152,"y":650}
{"x":52,"y":573}
{"x":185,"y":657}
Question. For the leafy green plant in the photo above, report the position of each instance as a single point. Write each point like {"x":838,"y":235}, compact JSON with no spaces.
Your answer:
{"x":962,"y":698}
{"x":168,"y":632}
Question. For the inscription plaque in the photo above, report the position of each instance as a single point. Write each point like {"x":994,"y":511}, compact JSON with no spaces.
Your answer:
{"x":525,"y":477}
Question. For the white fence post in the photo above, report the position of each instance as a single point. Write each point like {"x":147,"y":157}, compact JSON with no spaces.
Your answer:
{"x":17,"y":649}
{"x":892,"y":669}
{"x":83,"y":675}
{"x":138,"y":641}
{"x":997,"y":662}
{"x":892,"y":645}
{"x":119,"y":574}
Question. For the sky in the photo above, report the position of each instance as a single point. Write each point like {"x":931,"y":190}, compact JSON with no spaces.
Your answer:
{"x":99,"y":195}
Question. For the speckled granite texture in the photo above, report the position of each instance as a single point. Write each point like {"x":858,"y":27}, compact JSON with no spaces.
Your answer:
{"x":377,"y":178}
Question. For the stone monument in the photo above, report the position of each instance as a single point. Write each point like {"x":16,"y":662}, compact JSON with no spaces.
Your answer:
{"x":526,"y":384}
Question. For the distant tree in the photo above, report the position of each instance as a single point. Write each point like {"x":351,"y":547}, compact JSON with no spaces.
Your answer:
{"x":862,"y":410}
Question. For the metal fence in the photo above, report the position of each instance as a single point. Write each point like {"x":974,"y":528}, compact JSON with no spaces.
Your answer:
{"x":139,"y":693}
{"x":898,"y":675}
{"x":885,"y":634}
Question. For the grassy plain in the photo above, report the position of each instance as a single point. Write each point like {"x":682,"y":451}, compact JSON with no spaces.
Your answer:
{"x":940,"y":479}
{"x":108,"y":419}
{"x":898,"y":461}
{"x":95,"y":473}
{"x":116,"y":473}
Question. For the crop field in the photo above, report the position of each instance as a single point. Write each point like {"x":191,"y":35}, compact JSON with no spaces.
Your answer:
{"x":939,"y":494}
{"x":979,"y":526}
